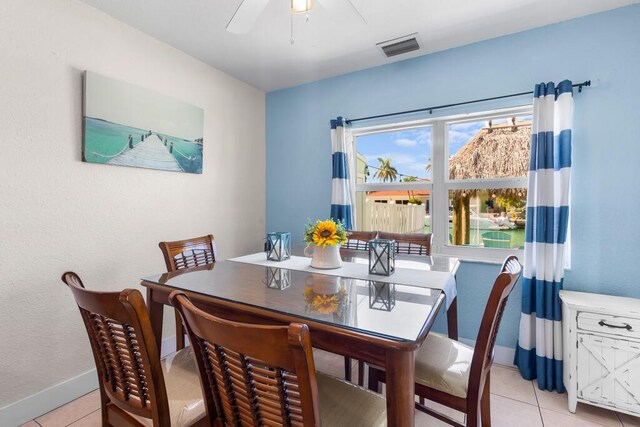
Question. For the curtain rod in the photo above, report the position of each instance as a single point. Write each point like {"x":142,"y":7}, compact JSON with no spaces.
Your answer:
{"x":439,"y":107}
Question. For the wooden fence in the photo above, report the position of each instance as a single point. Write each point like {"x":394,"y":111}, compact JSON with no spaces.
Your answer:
{"x":393,"y":218}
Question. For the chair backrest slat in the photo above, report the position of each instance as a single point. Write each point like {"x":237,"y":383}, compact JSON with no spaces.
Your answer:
{"x":410,"y":243}
{"x":189,"y":253}
{"x":491,"y":319}
{"x":359,"y":240}
{"x":252,"y":374}
{"x":124,"y":349}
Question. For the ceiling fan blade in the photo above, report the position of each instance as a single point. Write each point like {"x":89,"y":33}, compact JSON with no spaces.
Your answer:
{"x":246,"y":15}
{"x":343,"y":7}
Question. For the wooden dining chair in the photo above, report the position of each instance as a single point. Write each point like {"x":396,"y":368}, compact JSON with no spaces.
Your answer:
{"x":187,"y":253}
{"x":265,"y":375}
{"x":410,"y":243}
{"x":359,"y":240}
{"x":455,"y":375}
{"x":137,"y":388}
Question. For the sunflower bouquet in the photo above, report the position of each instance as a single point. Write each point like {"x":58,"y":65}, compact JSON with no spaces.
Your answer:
{"x":325,"y":233}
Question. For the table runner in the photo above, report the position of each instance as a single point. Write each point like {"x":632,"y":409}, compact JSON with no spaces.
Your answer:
{"x":423,"y":278}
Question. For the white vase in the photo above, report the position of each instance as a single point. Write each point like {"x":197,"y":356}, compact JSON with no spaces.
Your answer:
{"x":326,"y":257}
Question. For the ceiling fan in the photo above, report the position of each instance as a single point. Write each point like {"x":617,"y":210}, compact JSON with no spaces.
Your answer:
{"x":249,"y":10}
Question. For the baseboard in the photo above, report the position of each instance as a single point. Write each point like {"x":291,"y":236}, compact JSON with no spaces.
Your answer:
{"x":501,"y":355}
{"x":504,"y":355}
{"x":48,"y":399}
{"x":40,"y":403}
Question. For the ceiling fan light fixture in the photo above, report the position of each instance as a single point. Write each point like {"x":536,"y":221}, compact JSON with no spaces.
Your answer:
{"x":301,"y":6}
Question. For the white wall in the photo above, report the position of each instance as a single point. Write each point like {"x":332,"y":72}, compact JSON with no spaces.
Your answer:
{"x":104,"y":222}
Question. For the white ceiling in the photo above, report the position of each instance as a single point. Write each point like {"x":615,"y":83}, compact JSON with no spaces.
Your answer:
{"x":330,"y":44}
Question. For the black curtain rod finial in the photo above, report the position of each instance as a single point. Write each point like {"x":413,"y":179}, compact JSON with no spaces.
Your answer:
{"x":585,"y":84}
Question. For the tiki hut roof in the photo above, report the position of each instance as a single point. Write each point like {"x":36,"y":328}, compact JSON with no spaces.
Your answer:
{"x":500,"y":151}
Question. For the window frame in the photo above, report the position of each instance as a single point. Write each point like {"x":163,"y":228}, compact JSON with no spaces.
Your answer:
{"x":441,"y":184}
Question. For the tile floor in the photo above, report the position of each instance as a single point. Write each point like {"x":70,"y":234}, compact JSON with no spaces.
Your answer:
{"x":514,"y":402}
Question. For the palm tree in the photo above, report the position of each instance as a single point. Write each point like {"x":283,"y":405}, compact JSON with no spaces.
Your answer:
{"x":428,"y":166}
{"x":385,"y":171}
{"x":410,"y":179}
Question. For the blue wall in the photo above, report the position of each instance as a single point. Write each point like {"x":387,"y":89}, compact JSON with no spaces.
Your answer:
{"x":606,"y":201}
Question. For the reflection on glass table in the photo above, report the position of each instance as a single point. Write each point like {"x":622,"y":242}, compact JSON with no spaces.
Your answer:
{"x":382,"y":296}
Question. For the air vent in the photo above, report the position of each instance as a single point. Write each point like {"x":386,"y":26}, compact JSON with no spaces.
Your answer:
{"x":400,"y":45}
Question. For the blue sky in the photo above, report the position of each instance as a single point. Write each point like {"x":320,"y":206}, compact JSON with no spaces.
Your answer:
{"x":410,"y":150}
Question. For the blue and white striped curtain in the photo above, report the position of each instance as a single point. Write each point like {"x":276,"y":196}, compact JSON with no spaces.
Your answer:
{"x":343,"y":177}
{"x":539,"y":351}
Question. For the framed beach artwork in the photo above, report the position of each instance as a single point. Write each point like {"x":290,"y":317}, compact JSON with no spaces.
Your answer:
{"x":127,"y":125}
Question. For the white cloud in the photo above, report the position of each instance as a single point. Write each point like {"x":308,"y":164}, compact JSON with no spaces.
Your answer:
{"x":460,"y":134}
{"x":424,"y":137}
{"x":420,"y":136}
{"x":406,"y":142}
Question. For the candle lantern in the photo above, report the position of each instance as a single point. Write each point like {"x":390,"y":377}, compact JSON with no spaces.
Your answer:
{"x":278,"y":278}
{"x":382,"y":256}
{"x":278,"y":246}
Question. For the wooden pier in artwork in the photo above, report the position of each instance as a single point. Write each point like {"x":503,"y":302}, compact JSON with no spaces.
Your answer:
{"x":149,"y":153}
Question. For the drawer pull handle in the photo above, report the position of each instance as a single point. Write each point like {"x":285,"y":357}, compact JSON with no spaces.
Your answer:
{"x":623,"y":326}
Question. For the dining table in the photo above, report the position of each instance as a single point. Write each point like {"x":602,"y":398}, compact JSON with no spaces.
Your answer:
{"x":380,"y":320}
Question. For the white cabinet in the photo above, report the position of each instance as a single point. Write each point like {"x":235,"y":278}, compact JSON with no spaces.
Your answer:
{"x":601,"y":350}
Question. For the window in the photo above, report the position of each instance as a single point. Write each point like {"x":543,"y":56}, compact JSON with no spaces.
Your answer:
{"x":393,"y":182}
{"x":463,"y":178}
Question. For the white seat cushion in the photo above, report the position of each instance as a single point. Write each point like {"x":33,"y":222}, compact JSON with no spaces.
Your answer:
{"x":346,"y":404}
{"x":186,"y":404}
{"x":444,"y":364}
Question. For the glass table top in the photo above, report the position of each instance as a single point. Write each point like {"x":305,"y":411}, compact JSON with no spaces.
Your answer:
{"x":396,"y":312}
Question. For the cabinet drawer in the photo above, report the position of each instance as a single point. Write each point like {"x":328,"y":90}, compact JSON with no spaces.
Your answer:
{"x":608,"y":324}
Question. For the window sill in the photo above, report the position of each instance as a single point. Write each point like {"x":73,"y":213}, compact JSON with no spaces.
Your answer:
{"x":480,"y":255}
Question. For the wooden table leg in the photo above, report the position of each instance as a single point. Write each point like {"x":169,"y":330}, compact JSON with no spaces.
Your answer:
{"x":179,"y":331}
{"x":156,"y":313}
{"x":452,"y":319}
{"x":347,"y":369}
{"x":361,"y":366}
{"x":400,"y":373}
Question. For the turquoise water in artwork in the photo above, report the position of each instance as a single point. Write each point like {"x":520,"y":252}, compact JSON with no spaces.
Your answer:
{"x":104,"y":140}
{"x":188,"y":153}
